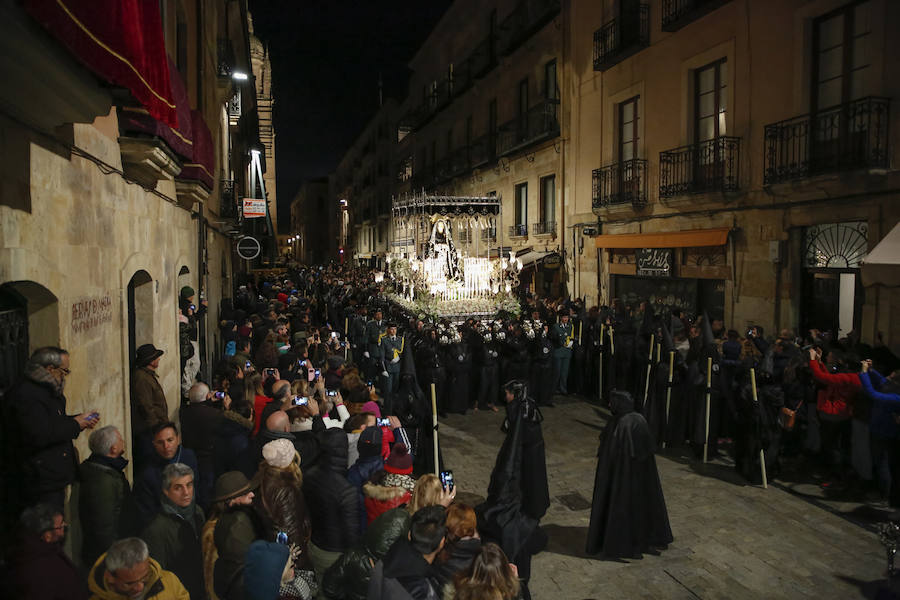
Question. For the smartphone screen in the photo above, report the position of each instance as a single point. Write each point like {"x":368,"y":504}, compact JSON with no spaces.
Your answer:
{"x":331,"y":392}
{"x":299,"y":401}
{"x":383,"y":422}
{"x":447,"y":480}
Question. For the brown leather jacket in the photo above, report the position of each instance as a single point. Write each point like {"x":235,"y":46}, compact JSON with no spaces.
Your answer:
{"x":282,"y":507}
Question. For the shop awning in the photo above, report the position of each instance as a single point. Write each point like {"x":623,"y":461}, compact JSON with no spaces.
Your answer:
{"x":882,"y":265}
{"x":665,"y":239}
{"x":532,"y":256}
{"x":140,"y":120}
{"x":119,"y":40}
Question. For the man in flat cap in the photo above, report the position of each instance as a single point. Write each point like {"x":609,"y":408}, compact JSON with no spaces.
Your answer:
{"x":148,"y":402}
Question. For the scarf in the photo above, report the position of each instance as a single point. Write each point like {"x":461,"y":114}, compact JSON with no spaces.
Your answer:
{"x":185,"y":513}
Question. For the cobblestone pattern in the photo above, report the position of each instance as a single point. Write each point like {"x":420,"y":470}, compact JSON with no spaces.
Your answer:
{"x":731,"y":540}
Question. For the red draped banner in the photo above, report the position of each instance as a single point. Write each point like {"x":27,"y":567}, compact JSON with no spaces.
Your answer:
{"x":119,"y":40}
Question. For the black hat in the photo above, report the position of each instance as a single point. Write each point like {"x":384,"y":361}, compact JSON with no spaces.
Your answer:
{"x":231,"y":485}
{"x":146,"y":354}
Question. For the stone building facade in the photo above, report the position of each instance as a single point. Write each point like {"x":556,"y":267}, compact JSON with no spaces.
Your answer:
{"x":107,"y":211}
{"x":739,"y":158}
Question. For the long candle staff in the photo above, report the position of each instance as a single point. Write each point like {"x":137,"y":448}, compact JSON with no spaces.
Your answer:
{"x":762,"y":452}
{"x":649,"y":364}
{"x":708,"y":394}
{"x":669,"y":394}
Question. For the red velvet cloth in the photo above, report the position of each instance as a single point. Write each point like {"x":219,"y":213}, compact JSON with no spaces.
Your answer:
{"x":179,"y":139}
{"x":202,"y":165}
{"x":119,"y":40}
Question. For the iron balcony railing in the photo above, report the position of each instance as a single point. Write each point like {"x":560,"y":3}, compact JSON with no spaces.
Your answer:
{"x":842,"y":138}
{"x":536,"y":125}
{"x":621,"y":37}
{"x":678,"y":13}
{"x":526,"y":19}
{"x":544,"y":228}
{"x":623,"y":182}
{"x":482,"y":150}
{"x":708,"y":166}
{"x":229,"y":199}
{"x":519,"y":230}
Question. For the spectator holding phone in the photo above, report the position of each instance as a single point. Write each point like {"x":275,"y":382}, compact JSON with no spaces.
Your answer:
{"x":40,"y":433}
{"x":885,"y":395}
{"x":833,"y":405}
{"x":199,"y":422}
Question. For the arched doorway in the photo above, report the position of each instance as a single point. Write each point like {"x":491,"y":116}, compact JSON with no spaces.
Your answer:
{"x":140,"y":313}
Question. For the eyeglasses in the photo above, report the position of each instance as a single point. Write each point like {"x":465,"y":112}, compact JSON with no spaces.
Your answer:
{"x":64,"y":370}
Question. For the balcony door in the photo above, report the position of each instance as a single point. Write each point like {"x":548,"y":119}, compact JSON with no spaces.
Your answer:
{"x":710,"y":90}
{"x":627,"y":179}
{"x":522,"y":114}
{"x":521,"y":199}
{"x":841,"y":70}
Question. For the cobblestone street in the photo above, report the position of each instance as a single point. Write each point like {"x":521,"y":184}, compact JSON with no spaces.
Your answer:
{"x":731,"y":540}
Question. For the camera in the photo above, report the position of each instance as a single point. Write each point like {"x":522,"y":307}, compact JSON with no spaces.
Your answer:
{"x":248,"y":366}
{"x":299,"y":401}
{"x":447,"y":480}
{"x":302,"y":362}
{"x":318,"y":373}
{"x":334,"y":335}
{"x":219,"y":395}
{"x":282,"y":538}
{"x":193,"y":307}
{"x":267,"y":372}
{"x":331,"y":393}
{"x":383,"y":422}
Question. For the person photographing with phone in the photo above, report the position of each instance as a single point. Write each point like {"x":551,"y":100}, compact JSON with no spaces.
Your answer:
{"x":41,"y":432}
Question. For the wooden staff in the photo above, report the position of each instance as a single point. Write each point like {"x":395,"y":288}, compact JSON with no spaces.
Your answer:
{"x":580,"y":326}
{"x":346,"y":336}
{"x":669,"y":394}
{"x":434,"y":432}
{"x":600,"y":371}
{"x":708,"y":394}
{"x":762,"y":452}
{"x":649,"y":364}
{"x":612,"y":341}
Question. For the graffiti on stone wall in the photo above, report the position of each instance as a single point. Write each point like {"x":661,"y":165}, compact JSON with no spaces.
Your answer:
{"x":91,"y":312}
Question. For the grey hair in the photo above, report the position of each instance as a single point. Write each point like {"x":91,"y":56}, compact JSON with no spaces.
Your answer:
{"x":126,"y":553}
{"x":175,"y":471}
{"x":39,"y":518}
{"x":198,"y":392}
{"x":48,"y":356}
{"x":102,"y":440}
{"x":283,"y":392}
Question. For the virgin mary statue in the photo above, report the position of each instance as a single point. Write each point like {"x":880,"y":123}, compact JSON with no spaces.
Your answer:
{"x":440,"y":246}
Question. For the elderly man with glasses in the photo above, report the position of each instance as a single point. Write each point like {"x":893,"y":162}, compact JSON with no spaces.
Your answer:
{"x":40,"y":433}
{"x":126,"y":572}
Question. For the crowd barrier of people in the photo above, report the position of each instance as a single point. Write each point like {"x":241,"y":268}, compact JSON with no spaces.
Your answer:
{"x":307,"y":466}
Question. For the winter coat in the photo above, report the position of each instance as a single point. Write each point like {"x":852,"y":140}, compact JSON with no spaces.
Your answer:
{"x":42,"y":571}
{"x":148,"y":485}
{"x":175,"y":544}
{"x":359,"y":474}
{"x":148,"y":401}
{"x":199,"y":422}
{"x":393,"y":491}
{"x":236,"y":529}
{"x":232,"y":437}
{"x":40,"y":434}
{"x":402,"y":574}
{"x":161,"y":585}
{"x":102,"y":497}
{"x":332,"y":500}
{"x":833,"y":400}
{"x":884,"y":406}
{"x":457,"y":556}
{"x":349,"y":577}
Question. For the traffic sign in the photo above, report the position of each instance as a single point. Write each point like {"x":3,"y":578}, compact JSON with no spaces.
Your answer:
{"x":248,"y":247}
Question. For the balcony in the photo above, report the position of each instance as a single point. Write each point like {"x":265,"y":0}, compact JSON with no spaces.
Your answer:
{"x":709,"y":166}
{"x":620,"y":183}
{"x":524,"y":21}
{"x":842,"y":138}
{"x":538,"y":124}
{"x":519,"y":230}
{"x":548,"y":228}
{"x":229,"y":198}
{"x":621,"y":37}
{"x":678,"y":13}
{"x":482,"y":150}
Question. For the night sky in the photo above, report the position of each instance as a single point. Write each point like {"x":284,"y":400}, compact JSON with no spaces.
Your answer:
{"x":326,"y":59}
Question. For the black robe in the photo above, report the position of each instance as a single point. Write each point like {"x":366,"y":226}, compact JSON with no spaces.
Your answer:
{"x":628,"y":514}
{"x":518,"y":494}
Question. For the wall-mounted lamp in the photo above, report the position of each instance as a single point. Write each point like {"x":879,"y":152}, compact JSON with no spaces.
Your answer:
{"x":239,"y":76}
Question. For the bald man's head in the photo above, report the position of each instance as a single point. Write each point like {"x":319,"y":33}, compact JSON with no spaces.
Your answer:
{"x":278,"y":421}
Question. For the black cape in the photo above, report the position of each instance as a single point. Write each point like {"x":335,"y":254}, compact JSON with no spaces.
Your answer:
{"x":518,"y":495}
{"x":628,"y":515}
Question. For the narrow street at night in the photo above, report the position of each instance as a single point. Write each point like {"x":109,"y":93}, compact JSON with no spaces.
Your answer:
{"x":732,"y":540}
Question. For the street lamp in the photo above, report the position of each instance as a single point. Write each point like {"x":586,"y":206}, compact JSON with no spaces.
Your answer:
{"x":239,"y":76}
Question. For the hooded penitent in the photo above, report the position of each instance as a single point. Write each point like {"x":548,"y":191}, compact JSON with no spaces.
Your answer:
{"x":628,"y":513}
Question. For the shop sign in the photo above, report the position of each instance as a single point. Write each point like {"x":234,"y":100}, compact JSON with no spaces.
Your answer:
{"x":654,"y":262}
{"x":254,"y":208}
{"x":552,"y":261}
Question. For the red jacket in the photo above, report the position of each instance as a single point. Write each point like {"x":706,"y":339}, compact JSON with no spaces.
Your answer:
{"x":840,"y":388}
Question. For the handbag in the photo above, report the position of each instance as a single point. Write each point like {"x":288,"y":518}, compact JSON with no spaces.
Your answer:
{"x":787,"y":418}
